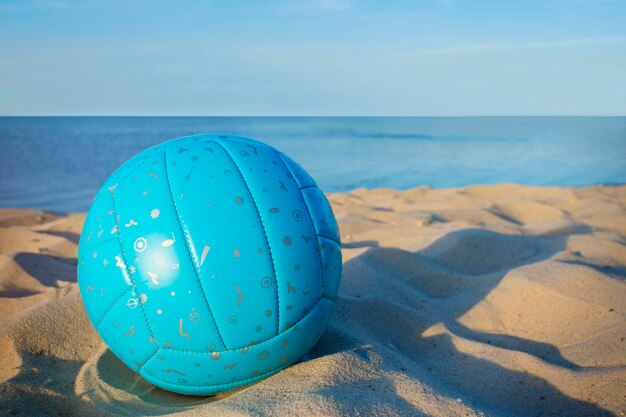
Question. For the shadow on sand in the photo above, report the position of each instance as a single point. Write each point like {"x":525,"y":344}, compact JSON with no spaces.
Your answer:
{"x":45,"y":268}
{"x":389,"y":297}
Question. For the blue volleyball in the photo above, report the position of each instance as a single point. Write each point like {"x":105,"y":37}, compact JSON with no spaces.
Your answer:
{"x":209,"y":262}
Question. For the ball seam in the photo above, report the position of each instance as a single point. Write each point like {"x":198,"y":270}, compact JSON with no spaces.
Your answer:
{"x":97,"y":244}
{"x":339,"y":247}
{"x":271,"y":149}
{"x":102,"y":190}
{"x":265,"y":235}
{"x":155,"y":152}
{"x":229,"y":384}
{"x":281,"y":334}
{"x":240,"y":382}
{"x":308,"y":211}
{"x":117,"y":299}
{"x":125,"y":259}
{"x":194,"y":264}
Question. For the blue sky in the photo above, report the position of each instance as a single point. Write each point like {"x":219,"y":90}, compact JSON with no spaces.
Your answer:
{"x":318,"y":57}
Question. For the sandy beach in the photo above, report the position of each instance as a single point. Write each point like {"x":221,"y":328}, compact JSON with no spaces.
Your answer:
{"x":479,"y":301}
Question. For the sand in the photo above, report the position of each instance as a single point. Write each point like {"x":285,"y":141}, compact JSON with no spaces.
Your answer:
{"x":485,"y":300}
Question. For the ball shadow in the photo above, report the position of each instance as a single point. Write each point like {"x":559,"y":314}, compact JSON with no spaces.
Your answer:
{"x":391,"y":296}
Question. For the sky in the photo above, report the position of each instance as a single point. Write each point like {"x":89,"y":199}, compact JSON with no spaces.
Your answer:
{"x":313,"y":57}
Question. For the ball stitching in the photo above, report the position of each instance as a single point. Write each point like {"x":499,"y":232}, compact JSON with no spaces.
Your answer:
{"x":156,"y":151}
{"x":278,"y":154}
{"x":124,"y":258}
{"x":112,"y":305}
{"x":187,"y":352}
{"x":188,"y":246}
{"x":271,"y":254}
{"x":308,"y":211}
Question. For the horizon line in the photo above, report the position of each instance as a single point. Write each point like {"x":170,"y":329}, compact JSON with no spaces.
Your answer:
{"x":311,"y":116}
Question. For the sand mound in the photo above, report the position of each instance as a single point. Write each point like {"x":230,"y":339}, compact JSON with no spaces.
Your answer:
{"x":25,"y":217}
{"x":486,"y":300}
{"x":478,"y":251}
{"x":524,"y":211}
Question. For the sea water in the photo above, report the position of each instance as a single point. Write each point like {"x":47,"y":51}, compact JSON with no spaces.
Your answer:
{"x":58,"y":163}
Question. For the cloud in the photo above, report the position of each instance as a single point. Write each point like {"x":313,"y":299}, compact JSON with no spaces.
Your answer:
{"x":514,"y":46}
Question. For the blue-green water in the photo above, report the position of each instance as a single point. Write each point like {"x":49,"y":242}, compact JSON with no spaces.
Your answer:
{"x":58,"y":163}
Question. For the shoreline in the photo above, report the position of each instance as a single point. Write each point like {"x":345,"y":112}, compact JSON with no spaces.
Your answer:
{"x":51,"y":212}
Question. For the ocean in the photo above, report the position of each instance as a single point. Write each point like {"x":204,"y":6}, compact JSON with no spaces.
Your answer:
{"x":58,"y":163}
